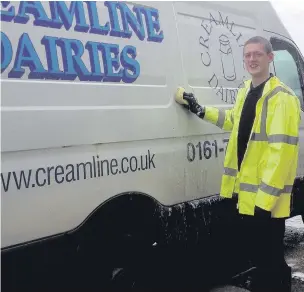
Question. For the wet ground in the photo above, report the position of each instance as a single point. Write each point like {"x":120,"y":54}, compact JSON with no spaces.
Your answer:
{"x":294,"y":241}
{"x":294,"y":244}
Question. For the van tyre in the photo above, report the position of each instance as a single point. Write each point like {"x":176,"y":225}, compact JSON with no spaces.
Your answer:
{"x":123,"y":278}
{"x":118,"y":263}
{"x":116,"y":243}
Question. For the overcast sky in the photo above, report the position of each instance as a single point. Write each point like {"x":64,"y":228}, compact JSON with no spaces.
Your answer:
{"x":292,"y":14}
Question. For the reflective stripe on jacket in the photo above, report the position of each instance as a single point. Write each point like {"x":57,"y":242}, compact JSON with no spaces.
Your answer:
{"x":269,"y":167}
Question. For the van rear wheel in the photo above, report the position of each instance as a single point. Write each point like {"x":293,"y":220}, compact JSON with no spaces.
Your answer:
{"x":118,"y":265}
{"x":134,"y":258}
{"x":116,"y":243}
{"x":130,"y":279}
{"x":123,"y":278}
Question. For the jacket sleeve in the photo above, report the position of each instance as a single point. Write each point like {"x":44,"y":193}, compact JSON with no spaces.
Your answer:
{"x":224,"y":119}
{"x":282,"y":128}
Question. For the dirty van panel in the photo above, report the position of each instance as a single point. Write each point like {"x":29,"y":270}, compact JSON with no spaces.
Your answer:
{"x":212,"y":52}
{"x":109,"y":65}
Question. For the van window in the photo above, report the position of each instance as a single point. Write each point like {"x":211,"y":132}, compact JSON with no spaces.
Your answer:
{"x":288,"y":67}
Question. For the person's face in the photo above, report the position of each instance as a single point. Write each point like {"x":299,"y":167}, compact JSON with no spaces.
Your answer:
{"x":256,"y":59}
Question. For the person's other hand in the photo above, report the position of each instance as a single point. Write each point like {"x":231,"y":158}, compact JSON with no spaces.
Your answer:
{"x":261,"y":213}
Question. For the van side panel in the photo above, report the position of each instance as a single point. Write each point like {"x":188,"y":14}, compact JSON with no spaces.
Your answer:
{"x":74,"y":136}
{"x":69,"y":145}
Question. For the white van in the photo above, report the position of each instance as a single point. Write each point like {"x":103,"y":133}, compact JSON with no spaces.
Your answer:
{"x":94,"y":147}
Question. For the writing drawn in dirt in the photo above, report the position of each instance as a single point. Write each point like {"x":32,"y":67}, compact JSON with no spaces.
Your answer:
{"x":56,"y":57}
{"x":206,"y":149}
{"x":221,"y":55}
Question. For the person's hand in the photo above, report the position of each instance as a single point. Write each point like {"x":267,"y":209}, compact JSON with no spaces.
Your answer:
{"x":188,"y":101}
{"x":261,"y":213}
{"x":230,"y":206}
{"x":193,"y":105}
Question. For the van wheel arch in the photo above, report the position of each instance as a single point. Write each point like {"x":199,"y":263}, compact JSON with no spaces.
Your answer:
{"x":119,"y":234}
{"x":127,"y":217}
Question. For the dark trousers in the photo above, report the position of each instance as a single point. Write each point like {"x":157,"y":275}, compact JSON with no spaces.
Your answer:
{"x":263,"y":242}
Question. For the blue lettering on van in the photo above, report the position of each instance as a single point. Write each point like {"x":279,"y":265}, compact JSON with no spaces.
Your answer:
{"x":111,"y":62}
{"x":93,"y":48}
{"x":36,"y":9}
{"x":6,"y":51}
{"x":72,"y":50}
{"x":64,"y":15}
{"x":65,"y":59}
{"x":9,"y":14}
{"x":153,"y":27}
{"x":27,"y":56}
{"x":115,"y":27}
{"x":52,"y":60}
{"x":130,"y":64}
{"x":135,"y":22}
{"x":96,"y":28}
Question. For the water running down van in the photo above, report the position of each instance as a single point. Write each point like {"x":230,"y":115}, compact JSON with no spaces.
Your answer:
{"x":98,"y":161}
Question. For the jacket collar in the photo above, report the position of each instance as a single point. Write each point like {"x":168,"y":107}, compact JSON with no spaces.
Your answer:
{"x":271,"y":84}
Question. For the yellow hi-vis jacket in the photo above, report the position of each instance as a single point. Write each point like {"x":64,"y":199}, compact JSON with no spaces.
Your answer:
{"x":269,"y":166}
